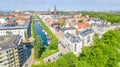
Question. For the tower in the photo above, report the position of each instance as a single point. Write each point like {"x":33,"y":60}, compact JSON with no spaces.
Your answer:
{"x":55,"y":13}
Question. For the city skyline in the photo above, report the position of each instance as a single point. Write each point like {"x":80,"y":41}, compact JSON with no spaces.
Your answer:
{"x":40,"y":5}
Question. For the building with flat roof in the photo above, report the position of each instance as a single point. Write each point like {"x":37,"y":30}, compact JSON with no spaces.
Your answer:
{"x":7,"y":29}
{"x":11,"y":51}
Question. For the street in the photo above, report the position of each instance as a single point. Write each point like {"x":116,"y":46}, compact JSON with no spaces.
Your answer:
{"x":29,"y":52}
{"x":55,"y":56}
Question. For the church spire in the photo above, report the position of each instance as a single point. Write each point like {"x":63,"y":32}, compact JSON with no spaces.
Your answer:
{"x":55,"y":10}
{"x":55,"y":13}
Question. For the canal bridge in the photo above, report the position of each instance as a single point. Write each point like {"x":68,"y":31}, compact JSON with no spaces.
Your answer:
{"x":29,"y":41}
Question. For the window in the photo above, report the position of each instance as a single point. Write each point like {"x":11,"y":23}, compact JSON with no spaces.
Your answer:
{"x":8,"y":51}
{"x":1,"y":57}
{"x":0,"y":53}
{"x":8,"y":32}
{"x":83,"y":43}
{"x":75,"y":47}
{"x":88,"y":39}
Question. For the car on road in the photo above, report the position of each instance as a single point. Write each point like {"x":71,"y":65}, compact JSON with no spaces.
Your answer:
{"x":60,"y":54}
{"x":48,"y":60}
{"x":26,"y":65}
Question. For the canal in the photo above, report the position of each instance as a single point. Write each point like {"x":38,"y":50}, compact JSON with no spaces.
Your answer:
{"x":39,"y":32}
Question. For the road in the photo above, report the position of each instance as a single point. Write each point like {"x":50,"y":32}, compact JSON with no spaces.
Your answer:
{"x":55,"y":56}
{"x":30,"y":57}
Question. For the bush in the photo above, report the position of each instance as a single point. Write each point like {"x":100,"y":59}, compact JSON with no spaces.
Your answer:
{"x":33,"y":28}
{"x":37,"y":47}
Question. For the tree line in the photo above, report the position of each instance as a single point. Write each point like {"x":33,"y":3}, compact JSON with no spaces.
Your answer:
{"x":38,"y":47}
{"x":108,"y":16}
{"x":33,"y":27}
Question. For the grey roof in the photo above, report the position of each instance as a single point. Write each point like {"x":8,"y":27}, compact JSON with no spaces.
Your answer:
{"x":86,"y":32}
{"x":9,"y":27}
{"x":9,"y":41}
{"x":72,"y":38}
{"x":68,"y":28}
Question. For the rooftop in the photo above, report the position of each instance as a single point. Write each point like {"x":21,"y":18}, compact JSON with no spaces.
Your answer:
{"x":76,"y":38}
{"x":12,"y":26}
{"x":86,"y":32}
{"x":68,"y":28}
{"x":7,"y":42}
{"x":79,"y":25}
{"x":72,"y":38}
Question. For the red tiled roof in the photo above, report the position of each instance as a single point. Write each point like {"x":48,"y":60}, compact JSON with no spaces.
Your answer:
{"x":72,"y":22}
{"x":26,"y":20}
{"x":9,"y":21}
{"x":82,"y":25}
{"x":55,"y":26}
{"x":48,"y":20}
{"x":77,"y":16}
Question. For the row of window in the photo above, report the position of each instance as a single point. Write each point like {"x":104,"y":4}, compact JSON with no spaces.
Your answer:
{"x":11,"y":32}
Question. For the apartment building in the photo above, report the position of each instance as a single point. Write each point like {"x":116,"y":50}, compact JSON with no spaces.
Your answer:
{"x":77,"y":39}
{"x":11,"y":51}
{"x":6,"y":29}
{"x":77,"y":34}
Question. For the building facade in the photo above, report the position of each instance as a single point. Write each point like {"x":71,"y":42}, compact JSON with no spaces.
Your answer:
{"x":75,"y":41}
{"x":18,"y":30}
{"x":11,"y":51}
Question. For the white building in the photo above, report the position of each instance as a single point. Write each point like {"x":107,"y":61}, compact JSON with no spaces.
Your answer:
{"x":14,"y":30}
{"x":99,"y":26}
{"x":2,"y":21}
{"x":76,"y":40}
{"x":77,"y":34}
{"x":96,"y":21}
{"x":11,"y":51}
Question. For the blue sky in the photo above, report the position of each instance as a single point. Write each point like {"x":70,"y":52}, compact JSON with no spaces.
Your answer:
{"x":61,"y":4}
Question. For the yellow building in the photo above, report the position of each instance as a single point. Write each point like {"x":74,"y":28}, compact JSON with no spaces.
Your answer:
{"x":11,"y":51}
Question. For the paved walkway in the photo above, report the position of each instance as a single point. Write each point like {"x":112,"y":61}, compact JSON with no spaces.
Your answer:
{"x":30,"y":60}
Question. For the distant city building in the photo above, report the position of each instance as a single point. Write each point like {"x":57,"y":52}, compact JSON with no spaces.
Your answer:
{"x":14,"y":23}
{"x":99,"y":26}
{"x":55,"y":13}
{"x":96,"y":21}
{"x":2,"y":20}
{"x":11,"y":51}
{"x":6,"y":29}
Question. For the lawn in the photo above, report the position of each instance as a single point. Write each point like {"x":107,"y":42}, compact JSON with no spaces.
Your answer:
{"x":47,"y":53}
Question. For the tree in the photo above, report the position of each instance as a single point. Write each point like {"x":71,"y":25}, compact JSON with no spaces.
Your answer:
{"x":62,"y":62}
{"x":82,"y":64}
{"x":33,"y":28}
{"x":37,"y":47}
{"x":80,"y":21}
{"x":103,"y":53}
{"x":70,"y":58}
{"x":62,"y":22}
{"x":52,"y":64}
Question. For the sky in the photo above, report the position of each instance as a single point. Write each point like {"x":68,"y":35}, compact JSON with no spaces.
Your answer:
{"x":41,"y":5}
